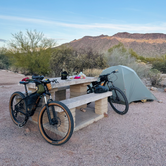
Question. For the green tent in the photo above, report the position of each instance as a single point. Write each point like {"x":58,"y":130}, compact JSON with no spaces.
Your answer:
{"x":128,"y":81}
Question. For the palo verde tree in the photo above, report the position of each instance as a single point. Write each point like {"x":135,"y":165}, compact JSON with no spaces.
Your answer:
{"x":31,"y":51}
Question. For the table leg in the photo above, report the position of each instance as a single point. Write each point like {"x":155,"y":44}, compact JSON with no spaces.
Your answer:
{"x":60,"y":95}
{"x":101,"y":106}
{"x":78,"y":90}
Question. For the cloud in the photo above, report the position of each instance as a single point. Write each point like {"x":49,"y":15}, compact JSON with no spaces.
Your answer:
{"x":117,"y":27}
{"x":2,"y":40}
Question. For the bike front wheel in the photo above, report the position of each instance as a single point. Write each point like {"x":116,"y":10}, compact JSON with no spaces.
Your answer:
{"x":59,"y":128}
{"x":118,"y":101}
{"x":17,"y":108}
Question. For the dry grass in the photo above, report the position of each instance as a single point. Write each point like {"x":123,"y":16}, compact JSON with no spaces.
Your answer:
{"x":93,"y":72}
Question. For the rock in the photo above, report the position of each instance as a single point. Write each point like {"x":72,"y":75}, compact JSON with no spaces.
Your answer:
{"x":160,"y":101}
{"x":83,"y":110}
{"x":27,"y":130}
{"x":153,"y":88}
{"x":105,"y":115}
{"x":163,"y":80}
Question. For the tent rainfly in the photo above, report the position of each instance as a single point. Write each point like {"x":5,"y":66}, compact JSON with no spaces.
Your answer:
{"x":128,"y":81}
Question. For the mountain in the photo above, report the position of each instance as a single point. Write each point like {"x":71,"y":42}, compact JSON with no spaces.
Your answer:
{"x":147,"y":45}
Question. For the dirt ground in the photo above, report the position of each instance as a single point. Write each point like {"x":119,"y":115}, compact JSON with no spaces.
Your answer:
{"x":135,"y":139}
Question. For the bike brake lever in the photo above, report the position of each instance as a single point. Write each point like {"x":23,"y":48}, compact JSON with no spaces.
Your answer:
{"x":55,"y":81}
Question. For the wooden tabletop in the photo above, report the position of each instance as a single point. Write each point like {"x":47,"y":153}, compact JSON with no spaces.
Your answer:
{"x":67,"y":82}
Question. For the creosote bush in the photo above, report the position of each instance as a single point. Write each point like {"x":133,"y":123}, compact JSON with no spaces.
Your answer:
{"x":155,"y":76}
{"x":72,"y":61}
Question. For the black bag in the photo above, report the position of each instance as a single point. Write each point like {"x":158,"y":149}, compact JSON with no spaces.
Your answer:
{"x":31,"y":100}
{"x":100,"y":89}
{"x":64,"y":75}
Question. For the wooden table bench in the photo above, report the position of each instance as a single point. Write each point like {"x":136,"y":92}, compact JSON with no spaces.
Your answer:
{"x":101,"y":107}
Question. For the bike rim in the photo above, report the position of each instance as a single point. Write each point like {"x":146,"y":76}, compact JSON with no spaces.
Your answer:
{"x":117,"y":101}
{"x":16,"y":108}
{"x":60,"y":127}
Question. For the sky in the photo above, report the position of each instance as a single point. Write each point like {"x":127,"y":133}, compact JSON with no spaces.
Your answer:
{"x":66,"y":20}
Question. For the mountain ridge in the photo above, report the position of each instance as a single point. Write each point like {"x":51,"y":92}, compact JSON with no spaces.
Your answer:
{"x":147,"y":45}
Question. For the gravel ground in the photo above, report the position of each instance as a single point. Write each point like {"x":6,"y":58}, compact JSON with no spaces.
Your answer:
{"x":135,"y":139}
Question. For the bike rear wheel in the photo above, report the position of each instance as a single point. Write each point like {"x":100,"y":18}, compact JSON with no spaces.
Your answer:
{"x":17,"y":108}
{"x":61,"y":128}
{"x":118,"y":101}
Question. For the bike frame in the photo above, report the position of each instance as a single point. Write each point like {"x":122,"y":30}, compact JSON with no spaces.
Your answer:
{"x":31,"y":113}
{"x":103,"y":83}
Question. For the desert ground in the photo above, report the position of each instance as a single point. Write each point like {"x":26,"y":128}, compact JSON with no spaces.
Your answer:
{"x":137,"y":138}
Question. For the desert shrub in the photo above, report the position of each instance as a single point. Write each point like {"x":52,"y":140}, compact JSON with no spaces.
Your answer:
{"x":92,"y":59}
{"x":72,"y":61}
{"x":64,"y":59}
{"x":4,"y":59}
{"x":160,"y":65}
{"x":141,"y":69}
{"x":118,"y":55}
{"x":155,"y":76}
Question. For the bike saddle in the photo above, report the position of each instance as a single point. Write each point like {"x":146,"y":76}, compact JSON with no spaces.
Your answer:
{"x":37,"y":77}
{"x":24,"y":82}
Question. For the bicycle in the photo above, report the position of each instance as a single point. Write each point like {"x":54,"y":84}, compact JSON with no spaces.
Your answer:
{"x":118,"y":100}
{"x":55,"y":120}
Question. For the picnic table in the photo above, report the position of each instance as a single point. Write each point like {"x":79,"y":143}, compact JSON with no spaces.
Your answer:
{"x":78,"y":100}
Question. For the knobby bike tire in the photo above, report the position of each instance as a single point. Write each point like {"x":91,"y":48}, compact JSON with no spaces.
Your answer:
{"x":17,"y":109}
{"x":60,"y":132}
{"x":118,"y":101}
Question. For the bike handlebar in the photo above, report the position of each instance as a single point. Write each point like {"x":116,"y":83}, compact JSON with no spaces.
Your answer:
{"x":115,"y":71}
{"x":38,"y":80}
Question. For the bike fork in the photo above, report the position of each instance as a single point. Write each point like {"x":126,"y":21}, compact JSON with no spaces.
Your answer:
{"x":51,"y":120}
